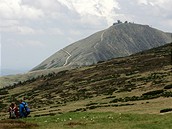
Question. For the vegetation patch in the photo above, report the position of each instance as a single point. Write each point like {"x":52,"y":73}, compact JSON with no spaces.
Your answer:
{"x":3,"y":92}
{"x":155,"y":92}
{"x":91,"y":104}
{"x":14,"y":124}
{"x":166,"y":110}
{"x":79,"y":110}
{"x":73,"y":124}
{"x":168,"y":86}
{"x":167,"y":94}
{"x":108,"y":97}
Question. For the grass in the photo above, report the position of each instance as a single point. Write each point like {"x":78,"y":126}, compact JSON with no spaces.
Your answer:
{"x":16,"y":124}
{"x":102,"y":120}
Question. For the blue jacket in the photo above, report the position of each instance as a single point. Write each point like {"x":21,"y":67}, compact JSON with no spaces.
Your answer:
{"x":22,"y":109}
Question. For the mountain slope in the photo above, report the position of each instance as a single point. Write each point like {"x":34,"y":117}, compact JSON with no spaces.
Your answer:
{"x":119,"y":40}
{"x":130,"y":84}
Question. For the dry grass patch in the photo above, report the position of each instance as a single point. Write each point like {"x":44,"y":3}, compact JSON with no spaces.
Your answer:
{"x":16,"y":124}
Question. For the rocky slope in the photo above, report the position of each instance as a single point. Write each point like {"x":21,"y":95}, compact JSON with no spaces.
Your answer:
{"x":119,"y":40}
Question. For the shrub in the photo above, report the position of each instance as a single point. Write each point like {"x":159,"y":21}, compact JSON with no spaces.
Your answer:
{"x":166,"y":110}
{"x":93,"y":107}
{"x":167,"y":94}
{"x":79,"y":110}
{"x":100,"y":62}
{"x":3,"y":92}
{"x":61,"y":73}
{"x":155,"y":92}
{"x":168,"y":86}
{"x":108,"y":97}
{"x":90,"y":104}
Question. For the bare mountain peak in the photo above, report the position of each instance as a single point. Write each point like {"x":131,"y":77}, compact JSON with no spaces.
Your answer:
{"x":119,"y":40}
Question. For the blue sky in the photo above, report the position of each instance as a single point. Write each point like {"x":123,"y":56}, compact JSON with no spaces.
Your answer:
{"x":32,"y":30}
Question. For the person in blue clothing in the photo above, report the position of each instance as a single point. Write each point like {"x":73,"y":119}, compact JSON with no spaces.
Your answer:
{"x":23,"y":109}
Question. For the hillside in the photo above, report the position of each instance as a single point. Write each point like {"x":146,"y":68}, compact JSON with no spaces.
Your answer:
{"x":119,"y":40}
{"x":14,"y":79}
{"x":132,"y":84}
{"x":116,"y":41}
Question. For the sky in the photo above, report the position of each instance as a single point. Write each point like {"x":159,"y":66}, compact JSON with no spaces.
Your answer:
{"x":33,"y":30}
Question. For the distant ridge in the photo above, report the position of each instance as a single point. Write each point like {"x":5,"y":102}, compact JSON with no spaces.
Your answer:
{"x":119,"y":40}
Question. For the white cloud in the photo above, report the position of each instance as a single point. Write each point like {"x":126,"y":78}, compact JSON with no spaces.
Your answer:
{"x":142,"y":2}
{"x":6,"y":23}
{"x":96,"y":8}
{"x":21,"y":30}
{"x":152,"y":12}
{"x":41,"y":4}
{"x":55,"y":31}
{"x":9,"y":8}
{"x":34,"y":43}
{"x":93,"y":7}
{"x":91,"y":20}
{"x":24,"y":44}
{"x":165,"y":4}
{"x":14,"y":9}
{"x":74,"y":32}
{"x":52,"y":9}
{"x":25,"y":30}
{"x":70,"y":39}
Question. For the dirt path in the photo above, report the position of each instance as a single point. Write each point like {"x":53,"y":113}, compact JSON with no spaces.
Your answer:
{"x":67,"y":57}
{"x":102,"y":35}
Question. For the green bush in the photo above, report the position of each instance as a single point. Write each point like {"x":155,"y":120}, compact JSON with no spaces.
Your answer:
{"x":167,"y":94}
{"x":3,"y":92}
{"x":155,"y":92}
{"x":93,"y":107}
{"x":108,"y":97}
{"x":79,"y":110}
{"x":168,"y":86}
{"x":166,"y":110}
{"x":90,"y":104}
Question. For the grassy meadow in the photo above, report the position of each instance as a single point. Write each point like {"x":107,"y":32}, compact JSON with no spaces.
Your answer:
{"x":96,"y":120}
{"x":107,"y":120}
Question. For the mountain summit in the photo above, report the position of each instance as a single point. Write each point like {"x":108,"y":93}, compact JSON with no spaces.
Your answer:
{"x":119,"y":40}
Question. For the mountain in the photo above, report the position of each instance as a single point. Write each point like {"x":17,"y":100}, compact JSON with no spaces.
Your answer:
{"x":119,"y":40}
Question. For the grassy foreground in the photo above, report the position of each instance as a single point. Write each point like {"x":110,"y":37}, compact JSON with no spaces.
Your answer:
{"x":108,"y":120}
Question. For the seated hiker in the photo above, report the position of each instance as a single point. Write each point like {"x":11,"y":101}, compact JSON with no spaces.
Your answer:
{"x":23,"y":109}
{"x":13,"y":111}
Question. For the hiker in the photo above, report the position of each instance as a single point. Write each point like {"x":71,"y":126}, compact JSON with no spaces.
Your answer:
{"x":13,"y":111}
{"x":23,"y":109}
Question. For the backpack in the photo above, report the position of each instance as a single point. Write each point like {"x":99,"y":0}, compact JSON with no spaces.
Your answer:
{"x":26,"y":109}
{"x":12,"y":112}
